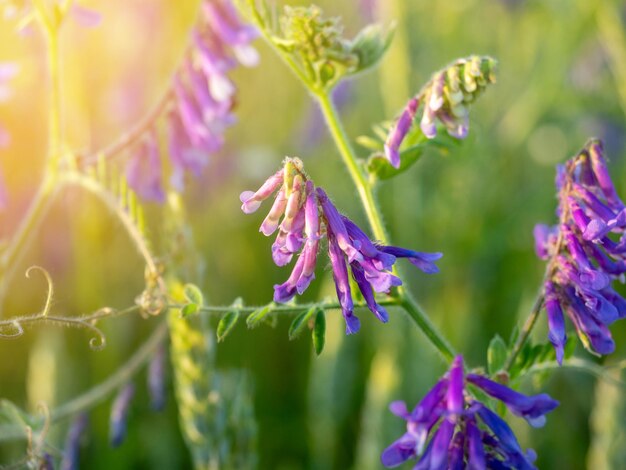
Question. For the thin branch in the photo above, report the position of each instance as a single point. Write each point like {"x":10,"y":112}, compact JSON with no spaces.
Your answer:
{"x":131,"y":137}
{"x":122,"y":375}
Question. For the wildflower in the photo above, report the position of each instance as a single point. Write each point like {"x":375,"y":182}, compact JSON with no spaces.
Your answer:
{"x":307,"y":215}
{"x":452,"y":418}
{"x":445,"y":98}
{"x":143,"y":171}
{"x":77,"y":429}
{"x":584,"y":257}
{"x":156,"y":379}
{"x":203,"y":97}
{"x":119,"y":415}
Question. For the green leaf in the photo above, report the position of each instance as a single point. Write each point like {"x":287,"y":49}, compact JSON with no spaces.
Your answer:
{"x":226,"y":324}
{"x":319,"y":332}
{"x":193,"y":294}
{"x":259,"y":316}
{"x":300,"y":322}
{"x":370,"y":45}
{"x":379,"y":167}
{"x":496,"y":354}
{"x":189,"y":309}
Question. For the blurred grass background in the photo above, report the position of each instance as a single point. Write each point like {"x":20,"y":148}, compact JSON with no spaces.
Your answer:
{"x":562,"y":79}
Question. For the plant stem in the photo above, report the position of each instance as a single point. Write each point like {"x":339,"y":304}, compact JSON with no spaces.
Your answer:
{"x":348,"y":156}
{"x":55,"y":127}
{"x":121,"y":376}
{"x":372,"y":211}
{"x":112,"y":204}
{"x":525,"y":333}
{"x":22,"y":237}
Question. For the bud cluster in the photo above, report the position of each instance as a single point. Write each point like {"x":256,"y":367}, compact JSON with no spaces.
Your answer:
{"x":446,"y":98}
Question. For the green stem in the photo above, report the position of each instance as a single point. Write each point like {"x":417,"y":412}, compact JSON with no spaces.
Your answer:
{"x":113,"y":205}
{"x":24,"y":234}
{"x":348,"y":156}
{"x":525,"y":333}
{"x":120,"y":377}
{"x":55,"y":128}
{"x":372,"y":211}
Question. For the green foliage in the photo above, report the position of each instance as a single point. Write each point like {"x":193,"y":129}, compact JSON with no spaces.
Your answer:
{"x":496,"y":354}
{"x":259,"y":316}
{"x":370,"y":45}
{"x":226,"y":324}
{"x":319,"y":332}
{"x":302,"y":321}
{"x":215,"y":408}
{"x":415,"y":145}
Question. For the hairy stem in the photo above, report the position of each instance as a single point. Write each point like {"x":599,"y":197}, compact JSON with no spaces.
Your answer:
{"x":525,"y":333}
{"x":113,"y":205}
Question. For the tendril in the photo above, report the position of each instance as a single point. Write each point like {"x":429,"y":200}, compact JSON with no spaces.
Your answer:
{"x":18,"y":329}
{"x":50,"y":293}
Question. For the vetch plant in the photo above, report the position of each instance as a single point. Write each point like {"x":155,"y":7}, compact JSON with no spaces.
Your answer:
{"x":461,"y":422}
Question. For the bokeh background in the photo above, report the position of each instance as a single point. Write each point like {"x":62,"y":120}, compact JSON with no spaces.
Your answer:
{"x":562,"y":79}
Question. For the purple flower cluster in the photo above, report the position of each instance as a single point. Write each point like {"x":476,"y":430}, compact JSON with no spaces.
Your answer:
{"x":204,"y":98}
{"x":307,"y":214}
{"x":449,"y":429}
{"x":587,"y":252}
{"x":445,"y":98}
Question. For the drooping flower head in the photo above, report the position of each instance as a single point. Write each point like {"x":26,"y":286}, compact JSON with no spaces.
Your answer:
{"x":450,"y":429}
{"x":307,"y":216}
{"x":202,"y":99}
{"x":445,"y":98}
{"x":586,"y":252}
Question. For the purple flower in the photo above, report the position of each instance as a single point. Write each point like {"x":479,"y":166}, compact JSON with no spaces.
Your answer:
{"x":582,"y":260}
{"x":302,"y":213}
{"x":143,"y":171}
{"x":119,"y":415}
{"x":203,"y":96}
{"x":451,"y":416}
{"x":445,"y":98}
{"x":399,"y":132}
{"x":156,"y":379}
{"x":71,"y":449}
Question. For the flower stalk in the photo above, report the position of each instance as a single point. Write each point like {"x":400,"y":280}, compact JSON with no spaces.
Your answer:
{"x":372,"y":211}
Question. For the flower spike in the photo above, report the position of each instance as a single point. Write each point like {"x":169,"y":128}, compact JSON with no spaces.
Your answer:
{"x":451,"y":417}
{"x":583,"y":260}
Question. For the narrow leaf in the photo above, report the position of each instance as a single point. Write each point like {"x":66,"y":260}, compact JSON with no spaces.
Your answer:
{"x":226,"y":324}
{"x":193,"y":294}
{"x":319,"y":332}
{"x":496,"y":354}
{"x":300,"y":322}
{"x":189,"y":309}
{"x":258,"y":316}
